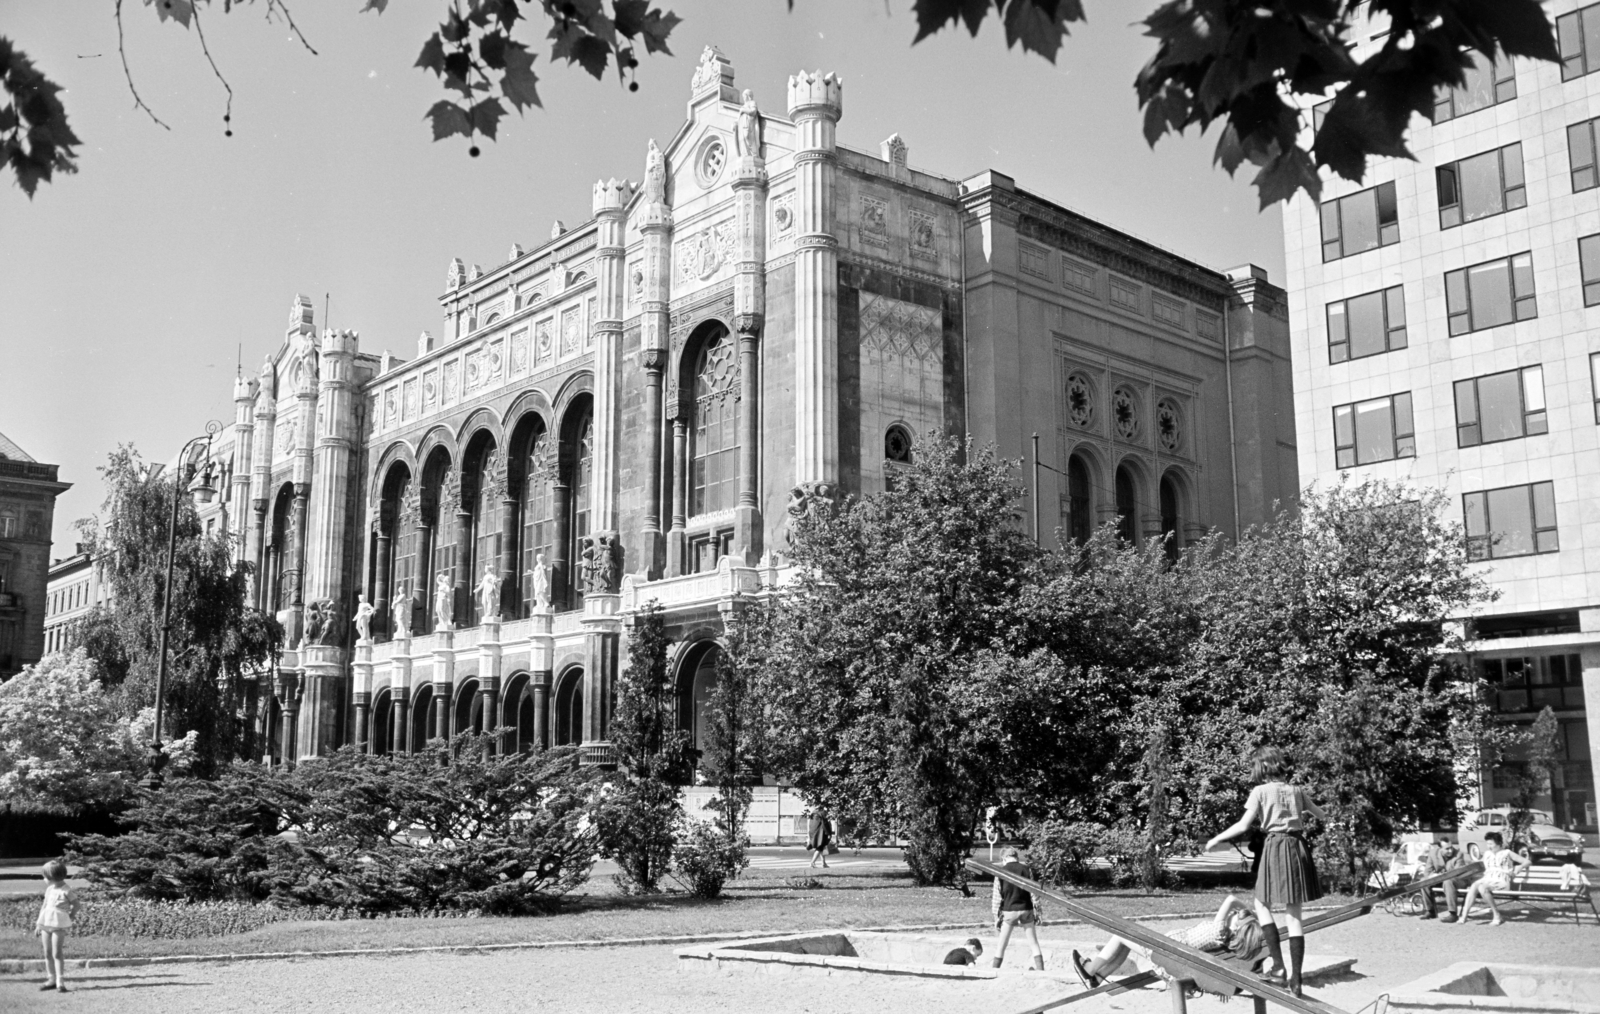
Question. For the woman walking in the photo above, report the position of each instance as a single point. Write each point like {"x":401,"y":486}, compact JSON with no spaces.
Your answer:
{"x":1287,"y":878}
{"x":818,"y":837}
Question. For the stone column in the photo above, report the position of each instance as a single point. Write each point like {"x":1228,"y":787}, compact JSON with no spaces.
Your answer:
{"x":560,"y":547}
{"x":610,"y":200}
{"x":655,"y":293}
{"x":266,"y":412}
{"x":361,"y":694}
{"x":489,"y":680}
{"x":542,"y":645}
{"x":602,"y":636}
{"x":815,"y":105}
{"x":244,"y":427}
{"x":676,"y":537}
{"x":383,"y":577}
{"x":511,"y":585}
{"x":749,"y":309}
{"x":400,"y":694}
{"x":444,"y":680}
{"x":464,"y":604}
{"x":290,"y":695}
{"x":328,"y":538}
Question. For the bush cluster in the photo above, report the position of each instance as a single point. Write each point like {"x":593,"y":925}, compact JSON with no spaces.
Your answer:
{"x":445,"y":829}
{"x":1060,"y":852}
{"x":707,"y":857}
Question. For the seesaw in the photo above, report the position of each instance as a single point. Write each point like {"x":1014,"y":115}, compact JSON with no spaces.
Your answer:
{"x":1187,"y":966}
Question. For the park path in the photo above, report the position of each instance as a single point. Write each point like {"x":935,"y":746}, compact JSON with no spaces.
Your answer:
{"x":1390,"y":951}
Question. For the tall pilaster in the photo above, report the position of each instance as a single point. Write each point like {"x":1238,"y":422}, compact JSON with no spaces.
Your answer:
{"x":305,"y":429}
{"x":610,"y":199}
{"x":749,"y":312}
{"x":244,"y":427}
{"x":542,"y":649}
{"x":602,"y":630}
{"x":327,"y":620}
{"x":489,"y":671}
{"x":266,"y":415}
{"x":655,"y":227}
{"x":815,"y":105}
{"x":400,"y":694}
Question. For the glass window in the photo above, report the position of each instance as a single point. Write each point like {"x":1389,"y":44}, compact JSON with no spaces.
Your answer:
{"x":1124,"y":294}
{"x":714,"y":463}
{"x":1580,"y":153}
{"x":1594,"y":383}
{"x":1487,"y":83}
{"x":1578,"y":36}
{"x":1500,"y":406}
{"x":1319,"y":112}
{"x":1511,"y":521}
{"x":1367,"y":325}
{"x":1359,"y":222}
{"x":1375,"y":430}
{"x":1077,"y":275}
{"x":1480,"y":186}
{"x":1589,"y":263}
{"x":1490,"y":294}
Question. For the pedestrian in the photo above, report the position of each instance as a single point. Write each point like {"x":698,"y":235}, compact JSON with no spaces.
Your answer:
{"x":1014,"y":906}
{"x":967,"y":954}
{"x":819,"y":835}
{"x":1442,"y":857}
{"x":1498,"y":864}
{"x":1233,"y":931}
{"x":1287,"y":878}
{"x":55,"y":918}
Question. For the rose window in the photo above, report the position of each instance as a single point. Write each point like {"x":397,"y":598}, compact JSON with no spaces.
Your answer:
{"x":1080,"y":401}
{"x":709,"y":166}
{"x":1169,"y":428}
{"x":1125,"y":414}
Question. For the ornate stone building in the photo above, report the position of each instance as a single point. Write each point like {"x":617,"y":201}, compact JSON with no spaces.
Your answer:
{"x":634,"y":410}
{"x":28,"y":491}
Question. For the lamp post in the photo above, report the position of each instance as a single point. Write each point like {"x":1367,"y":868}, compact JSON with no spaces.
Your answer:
{"x":201,"y":486}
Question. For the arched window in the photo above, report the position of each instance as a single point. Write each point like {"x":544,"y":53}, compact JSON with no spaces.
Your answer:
{"x":701,"y":684}
{"x":538,"y":514}
{"x":897,"y":445}
{"x":582,"y":494}
{"x":714,"y":461}
{"x":569,"y":709}
{"x":1127,"y":505}
{"x":1080,"y":522}
{"x":1169,"y":516}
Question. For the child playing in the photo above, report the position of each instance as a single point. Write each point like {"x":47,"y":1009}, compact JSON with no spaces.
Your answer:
{"x":1013,"y":907}
{"x":1233,"y":930}
{"x":55,"y":918}
{"x":1287,"y":878}
{"x":1499,"y":863}
{"x":966,"y":955}
{"x":1572,"y":876}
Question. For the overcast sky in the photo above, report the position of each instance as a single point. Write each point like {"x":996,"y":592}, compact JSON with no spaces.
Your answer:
{"x":128,"y":290}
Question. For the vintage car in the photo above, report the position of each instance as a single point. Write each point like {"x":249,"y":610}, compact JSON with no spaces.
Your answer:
{"x":1543,"y":839}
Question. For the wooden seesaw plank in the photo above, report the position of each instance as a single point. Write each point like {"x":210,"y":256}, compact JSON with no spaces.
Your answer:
{"x":1185,"y":962}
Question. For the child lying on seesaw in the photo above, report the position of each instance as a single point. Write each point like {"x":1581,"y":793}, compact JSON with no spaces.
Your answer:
{"x":1233,"y":931}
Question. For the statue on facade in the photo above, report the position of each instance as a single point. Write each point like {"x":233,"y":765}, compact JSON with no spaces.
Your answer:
{"x":748,"y":136}
{"x":602,"y":565}
{"x":805,"y":500}
{"x":541,"y":583}
{"x":400,"y":610}
{"x":322,"y":623}
{"x":489,"y":594}
{"x":363,"y":618}
{"x":444,"y":601}
{"x":655,"y":176}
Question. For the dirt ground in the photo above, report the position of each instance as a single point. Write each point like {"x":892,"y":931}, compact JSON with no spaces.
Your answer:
{"x":1389,"y":951}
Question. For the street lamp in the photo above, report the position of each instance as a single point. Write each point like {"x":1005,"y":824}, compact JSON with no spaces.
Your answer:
{"x":199,"y":483}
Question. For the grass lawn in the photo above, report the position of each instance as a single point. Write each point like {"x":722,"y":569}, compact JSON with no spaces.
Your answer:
{"x":758,"y":902}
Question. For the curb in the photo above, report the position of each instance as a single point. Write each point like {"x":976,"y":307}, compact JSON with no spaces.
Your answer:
{"x":23,"y":966}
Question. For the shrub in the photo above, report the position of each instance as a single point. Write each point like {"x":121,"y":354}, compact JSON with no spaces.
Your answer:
{"x":1061,"y":852}
{"x":637,"y":823}
{"x":706,"y":857}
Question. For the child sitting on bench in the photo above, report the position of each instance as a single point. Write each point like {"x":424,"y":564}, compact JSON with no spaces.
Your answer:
{"x":1233,"y":930}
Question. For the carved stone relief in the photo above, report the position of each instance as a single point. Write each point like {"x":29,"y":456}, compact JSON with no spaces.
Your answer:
{"x":874,"y":220}
{"x":700,"y":256}
{"x":896,"y":327}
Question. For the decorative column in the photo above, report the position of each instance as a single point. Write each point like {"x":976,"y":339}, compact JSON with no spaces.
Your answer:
{"x":244,"y":427}
{"x":266,"y":412}
{"x":561,"y":582}
{"x":602,"y":626}
{"x":749,"y":310}
{"x":400,"y":693}
{"x":542,"y":645}
{"x":304,"y":467}
{"x":676,"y":538}
{"x":489,"y":680}
{"x":289,"y":694}
{"x":463,"y":554}
{"x":361,"y":694}
{"x":326,"y":619}
{"x":444,"y":679}
{"x":383,"y":577}
{"x":815,"y":105}
{"x":610,"y":199}
{"x":510,"y":583}
{"x":421,"y":590}
{"x":654,"y":216}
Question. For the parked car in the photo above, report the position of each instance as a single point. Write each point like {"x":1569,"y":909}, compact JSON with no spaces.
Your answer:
{"x":1544,"y":839}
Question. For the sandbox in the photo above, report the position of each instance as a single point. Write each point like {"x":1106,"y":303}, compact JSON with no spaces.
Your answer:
{"x":1474,"y":986}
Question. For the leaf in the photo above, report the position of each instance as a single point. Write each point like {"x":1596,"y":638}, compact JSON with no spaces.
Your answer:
{"x":571,"y":43}
{"x":518,"y":83}
{"x":179,"y":10}
{"x":655,"y":29}
{"x":1040,"y":25}
{"x":1285,"y":175}
{"x":933,"y":15}
{"x":1521,"y":27}
{"x":449,"y":118}
{"x":432,"y":55}
{"x":486,"y":117}
{"x":375,"y":5}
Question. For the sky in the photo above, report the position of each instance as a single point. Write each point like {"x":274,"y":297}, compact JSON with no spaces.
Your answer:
{"x":129,"y":290}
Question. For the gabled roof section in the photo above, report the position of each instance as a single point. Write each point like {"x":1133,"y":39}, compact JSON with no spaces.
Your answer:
{"x":11,"y":452}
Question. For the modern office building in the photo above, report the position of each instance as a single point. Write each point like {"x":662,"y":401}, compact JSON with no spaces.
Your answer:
{"x":1446,"y":330}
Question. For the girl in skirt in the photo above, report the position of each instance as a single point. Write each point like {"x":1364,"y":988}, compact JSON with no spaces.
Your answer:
{"x":1287,"y":879}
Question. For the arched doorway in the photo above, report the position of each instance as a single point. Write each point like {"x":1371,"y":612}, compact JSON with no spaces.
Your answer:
{"x":1171,"y":534}
{"x":481,"y":506}
{"x":422,"y":718}
{"x":697,"y":677}
{"x":518,"y":731}
{"x":1127,"y":505}
{"x":568,"y":718}
{"x":435,"y":544}
{"x":1080,"y":518}
{"x":380,"y":728}
{"x":468,"y":712}
{"x":393,"y":553}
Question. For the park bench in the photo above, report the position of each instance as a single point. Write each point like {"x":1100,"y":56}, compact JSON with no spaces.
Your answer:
{"x":1180,"y":962}
{"x":1547,"y":897}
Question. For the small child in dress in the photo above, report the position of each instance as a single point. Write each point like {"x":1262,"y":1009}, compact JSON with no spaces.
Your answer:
{"x":1572,"y":876}
{"x":965,"y":955}
{"x":1499,"y":863}
{"x":55,"y":918}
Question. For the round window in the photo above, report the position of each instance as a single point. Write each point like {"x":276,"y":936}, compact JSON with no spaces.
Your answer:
{"x":708,"y":165}
{"x":897,"y":445}
{"x":1080,"y":401}
{"x":1125,"y":413}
